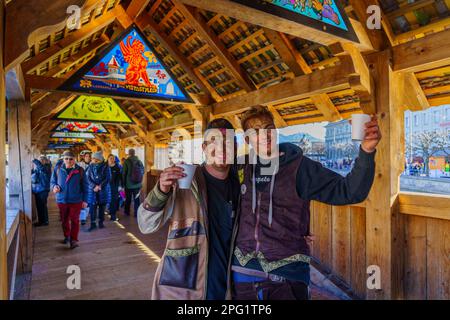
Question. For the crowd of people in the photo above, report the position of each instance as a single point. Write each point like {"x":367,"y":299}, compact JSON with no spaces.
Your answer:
{"x":340,"y":164}
{"x":86,"y":189}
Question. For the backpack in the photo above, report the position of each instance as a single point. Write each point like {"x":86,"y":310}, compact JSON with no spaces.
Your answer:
{"x":137,"y":171}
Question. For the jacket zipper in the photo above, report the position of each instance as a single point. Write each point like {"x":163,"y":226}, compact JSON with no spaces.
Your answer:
{"x":258,"y":205}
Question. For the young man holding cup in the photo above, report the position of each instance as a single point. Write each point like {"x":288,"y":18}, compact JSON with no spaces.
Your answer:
{"x":200,"y":204}
{"x":271,"y":254}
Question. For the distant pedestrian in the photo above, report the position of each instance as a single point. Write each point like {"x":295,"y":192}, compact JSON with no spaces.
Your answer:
{"x":133,"y":174}
{"x":40,"y":179}
{"x":85,"y":160}
{"x":98,"y":190}
{"x":115,"y":184}
{"x":67,"y":183}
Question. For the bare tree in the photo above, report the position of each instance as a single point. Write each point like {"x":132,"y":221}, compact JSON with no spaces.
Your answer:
{"x":305,"y":144}
{"x":427,"y":144}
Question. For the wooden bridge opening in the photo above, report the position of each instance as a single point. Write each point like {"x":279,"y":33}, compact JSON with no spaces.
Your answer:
{"x":227,"y":57}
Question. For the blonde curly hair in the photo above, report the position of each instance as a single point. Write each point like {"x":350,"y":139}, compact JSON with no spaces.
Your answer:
{"x":255,"y":112}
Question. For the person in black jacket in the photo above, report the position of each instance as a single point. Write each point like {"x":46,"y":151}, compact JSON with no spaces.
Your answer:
{"x":98,"y":192}
{"x":116,"y":184}
{"x":41,"y":186}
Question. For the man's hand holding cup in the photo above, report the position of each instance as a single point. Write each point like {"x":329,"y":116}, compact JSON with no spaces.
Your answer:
{"x":169,"y":178}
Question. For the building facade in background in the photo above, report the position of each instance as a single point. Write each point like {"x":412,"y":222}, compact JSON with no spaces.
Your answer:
{"x":338,"y":141}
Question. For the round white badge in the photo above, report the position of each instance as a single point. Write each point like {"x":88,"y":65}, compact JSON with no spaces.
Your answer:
{"x":243,"y":188}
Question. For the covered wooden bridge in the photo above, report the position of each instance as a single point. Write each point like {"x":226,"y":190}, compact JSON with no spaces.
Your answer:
{"x":227,"y":56}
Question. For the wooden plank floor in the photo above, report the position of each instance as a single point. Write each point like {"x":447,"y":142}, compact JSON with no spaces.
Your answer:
{"x":117,"y":262}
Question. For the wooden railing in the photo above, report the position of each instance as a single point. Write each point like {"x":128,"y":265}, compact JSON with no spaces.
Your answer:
{"x":13,"y":236}
{"x":423,"y":249}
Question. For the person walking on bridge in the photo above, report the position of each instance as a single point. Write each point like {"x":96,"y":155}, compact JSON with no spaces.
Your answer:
{"x":67,"y":183}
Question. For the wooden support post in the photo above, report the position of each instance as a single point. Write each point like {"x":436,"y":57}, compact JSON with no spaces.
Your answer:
{"x":381,"y":234}
{"x":19,"y":141}
{"x":3,"y":236}
{"x":149,"y":154}
{"x":122,"y":153}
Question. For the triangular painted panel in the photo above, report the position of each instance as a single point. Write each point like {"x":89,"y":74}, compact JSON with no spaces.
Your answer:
{"x":327,"y":16}
{"x":73,"y":135}
{"x":85,"y":127}
{"x":66,"y":140}
{"x":128,"y":67}
{"x":62,"y":145}
{"x":94,"y":109}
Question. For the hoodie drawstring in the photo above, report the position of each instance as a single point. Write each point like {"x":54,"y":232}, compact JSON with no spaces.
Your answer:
{"x":254,"y":189}
{"x":272,"y":183}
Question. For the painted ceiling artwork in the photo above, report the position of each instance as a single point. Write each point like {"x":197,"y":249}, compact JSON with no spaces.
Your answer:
{"x":76,"y":135}
{"x":94,"y":109}
{"x":66,"y":140}
{"x":81,"y":127}
{"x":324,"y":15}
{"x":60,"y":145}
{"x":128,"y":67}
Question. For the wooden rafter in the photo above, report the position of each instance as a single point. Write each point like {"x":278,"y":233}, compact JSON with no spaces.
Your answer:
{"x":144,"y":111}
{"x":135,"y":8}
{"x":257,"y":17}
{"x":144,"y":22}
{"x":73,"y":60}
{"x":70,"y":40}
{"x":323,"y":81}
{"x":49,"y":105}
{"x":167,"y":124}
{"x":324,"y":104}
{"x":288,"y":53}
{"x":197,"y":21}
{"x":279,"y":121}
{"x":422,"y":54}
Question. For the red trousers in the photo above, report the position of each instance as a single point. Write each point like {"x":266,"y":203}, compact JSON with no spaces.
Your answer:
{"x":70,"y":219}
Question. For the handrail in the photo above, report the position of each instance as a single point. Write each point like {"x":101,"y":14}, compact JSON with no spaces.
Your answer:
{"x":425,"y":205}
{"x":12,"y":223}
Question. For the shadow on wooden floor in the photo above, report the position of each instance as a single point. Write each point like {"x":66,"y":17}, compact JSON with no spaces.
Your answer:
{"x":117,"y":262}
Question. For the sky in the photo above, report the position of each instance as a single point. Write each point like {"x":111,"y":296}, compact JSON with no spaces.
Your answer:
{"x":317,"y":130}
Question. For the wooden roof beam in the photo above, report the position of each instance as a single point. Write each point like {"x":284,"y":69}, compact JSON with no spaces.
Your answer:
{"x":279,"y":121}
{"x":323,"y":81}
{"x":197,"y":21}
{"x":410,"y":93}
{"x":324,"y":104}
{"x":247,"y":14}
{"x":167,"y":124}
{"x":423,"y":54}
{"x":145,"y":21}
{"x":288,"y":53}
{"x":375,"y":36}
{"x":72,"y":60}
{"x":49,"y":105}
{"x":136,"y":7}
{"x":361,"y":79}
{"x":76,"y":36}
{"x":144,"y":111}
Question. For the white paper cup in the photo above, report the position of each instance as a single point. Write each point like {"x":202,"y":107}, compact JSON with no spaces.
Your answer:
{"x":358,"y":126}
{"x":189,"y":170}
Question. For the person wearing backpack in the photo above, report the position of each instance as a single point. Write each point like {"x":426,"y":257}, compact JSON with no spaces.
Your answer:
{"x":133,"y":174}
{"x":67,"y":183}
{"x":98,"y":190}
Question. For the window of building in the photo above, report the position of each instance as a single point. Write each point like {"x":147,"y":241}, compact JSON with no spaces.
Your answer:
{"x":436,"y":116}
{"x":427,"y":154}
